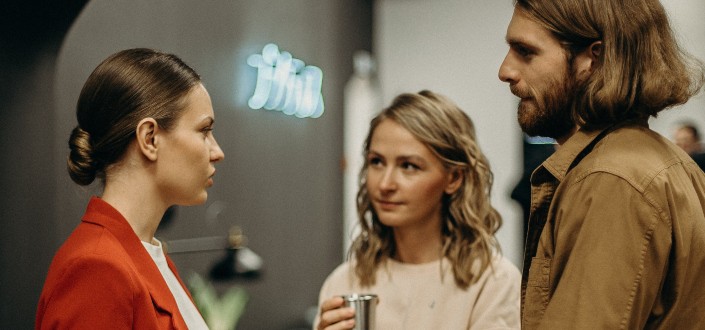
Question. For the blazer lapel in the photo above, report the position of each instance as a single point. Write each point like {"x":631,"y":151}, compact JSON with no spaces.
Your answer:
{"x":101,"y":213}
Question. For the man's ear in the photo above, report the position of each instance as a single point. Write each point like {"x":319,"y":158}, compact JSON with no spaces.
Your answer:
{"x":596,"y":50}
{"x":146,"y":132}
{"x":586,"y":60}
{"x":456,"y":179}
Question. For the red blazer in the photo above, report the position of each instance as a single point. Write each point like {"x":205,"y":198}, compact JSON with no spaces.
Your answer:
{"x":103,"y":277}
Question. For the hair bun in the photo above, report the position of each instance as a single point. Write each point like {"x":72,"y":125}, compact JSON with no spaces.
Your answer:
{"x":80,"y":164}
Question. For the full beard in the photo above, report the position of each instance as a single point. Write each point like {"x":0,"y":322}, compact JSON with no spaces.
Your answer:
{"x":549,"y":113}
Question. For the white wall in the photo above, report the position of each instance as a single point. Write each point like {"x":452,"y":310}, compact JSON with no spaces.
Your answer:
{"x":455,"y":47}
{"x":688,"y":23}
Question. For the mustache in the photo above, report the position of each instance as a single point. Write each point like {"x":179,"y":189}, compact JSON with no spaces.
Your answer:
{"x":521,"y":93}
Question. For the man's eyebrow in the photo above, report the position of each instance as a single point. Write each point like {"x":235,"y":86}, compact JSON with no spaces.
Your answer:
{"x":515,"y":41}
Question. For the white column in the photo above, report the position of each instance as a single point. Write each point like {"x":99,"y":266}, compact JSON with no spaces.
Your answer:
{"x":362,"y":102}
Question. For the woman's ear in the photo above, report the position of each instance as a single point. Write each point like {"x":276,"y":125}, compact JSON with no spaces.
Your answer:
{"x":455,"y":180}
{"x":146,"y":132}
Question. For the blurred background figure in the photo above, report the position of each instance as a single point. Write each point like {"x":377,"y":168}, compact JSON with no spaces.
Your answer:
{"x":687,"y":137}
{"x":534,"y":151}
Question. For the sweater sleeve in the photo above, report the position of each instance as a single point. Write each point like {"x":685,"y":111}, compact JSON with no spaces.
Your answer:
{"x":497,"y":305}
{"x":92,"y":292}
{"x":334,"y":283}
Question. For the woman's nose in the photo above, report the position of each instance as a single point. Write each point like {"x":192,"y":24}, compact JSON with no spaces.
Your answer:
{"x":217,"y":154}
{"x":388,"y":181}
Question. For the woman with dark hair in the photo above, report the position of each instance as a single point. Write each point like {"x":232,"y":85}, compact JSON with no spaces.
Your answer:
{"x":426,"y":247}
{"x":144,"y":129}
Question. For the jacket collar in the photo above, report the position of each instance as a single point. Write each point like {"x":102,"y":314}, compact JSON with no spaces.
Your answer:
{"x":559,"y":163}
{"x":103,"y":214}
{"x":573,"y":150}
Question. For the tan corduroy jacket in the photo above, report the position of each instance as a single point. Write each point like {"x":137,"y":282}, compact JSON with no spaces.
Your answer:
{"x":616,"y":235}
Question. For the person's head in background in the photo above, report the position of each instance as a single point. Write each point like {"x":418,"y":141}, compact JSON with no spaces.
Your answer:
{"x":592,"y":64}
{"x":425,"y":172}
{"x":687,"y":137}
{"x":145,"y":115}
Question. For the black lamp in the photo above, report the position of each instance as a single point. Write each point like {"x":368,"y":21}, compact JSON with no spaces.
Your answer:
{"x":239,"y":262}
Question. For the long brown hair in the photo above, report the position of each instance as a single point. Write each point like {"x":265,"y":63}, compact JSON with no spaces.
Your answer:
{"x":469,"y":220}
{"x":641,"y":69}
{"x":126,"y":87}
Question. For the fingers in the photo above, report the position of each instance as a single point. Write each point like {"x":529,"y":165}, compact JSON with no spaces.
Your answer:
{"x":334,"y":316}
{"x":342,"y":325}
{"x":332,"y":303}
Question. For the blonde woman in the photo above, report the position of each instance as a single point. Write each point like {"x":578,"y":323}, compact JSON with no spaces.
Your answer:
{"x":427,"y":247}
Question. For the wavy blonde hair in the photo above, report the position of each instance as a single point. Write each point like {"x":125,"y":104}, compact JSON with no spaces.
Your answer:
{"x":469,"y":220}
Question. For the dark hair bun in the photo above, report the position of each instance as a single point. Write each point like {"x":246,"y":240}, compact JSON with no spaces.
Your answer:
{"x":81,"y":166}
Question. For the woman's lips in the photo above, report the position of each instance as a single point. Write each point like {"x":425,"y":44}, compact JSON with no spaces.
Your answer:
{"x":210,"y":179}
{"x":387,"y":204}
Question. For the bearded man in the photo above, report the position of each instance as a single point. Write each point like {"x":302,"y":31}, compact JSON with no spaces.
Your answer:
{"x":616,"y":236}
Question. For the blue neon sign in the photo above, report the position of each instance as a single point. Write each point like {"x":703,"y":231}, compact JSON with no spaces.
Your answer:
{"x":286,"y":84}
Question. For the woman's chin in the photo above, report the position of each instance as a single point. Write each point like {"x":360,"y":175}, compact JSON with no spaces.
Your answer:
{"x":196,"y":200}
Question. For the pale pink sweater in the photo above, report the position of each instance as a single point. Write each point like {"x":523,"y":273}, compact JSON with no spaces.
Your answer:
{"x":425,"y":296}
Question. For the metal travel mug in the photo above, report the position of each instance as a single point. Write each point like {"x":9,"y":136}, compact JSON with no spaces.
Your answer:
{"x":364,"y":305}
